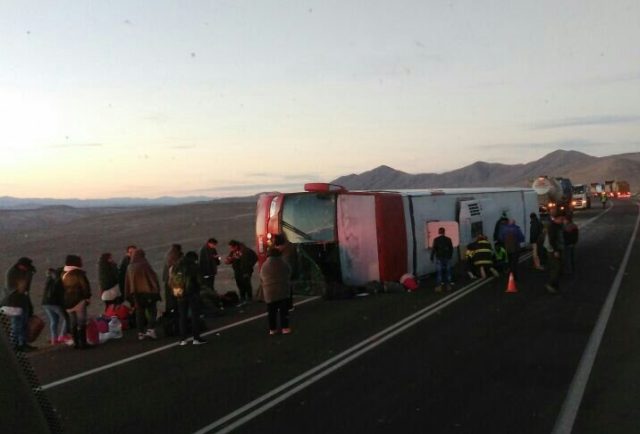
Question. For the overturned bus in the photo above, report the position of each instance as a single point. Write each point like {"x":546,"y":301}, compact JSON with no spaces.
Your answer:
{"x":353,"y":237}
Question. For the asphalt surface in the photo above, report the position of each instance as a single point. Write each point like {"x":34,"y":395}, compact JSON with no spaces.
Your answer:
{"x":479,"y":361}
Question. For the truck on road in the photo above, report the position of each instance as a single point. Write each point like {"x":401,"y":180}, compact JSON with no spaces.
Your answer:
{"x":580,"y":197}
{"x":554,"y":194}
{"x":608,"y":188}
{"x":622,"y":189}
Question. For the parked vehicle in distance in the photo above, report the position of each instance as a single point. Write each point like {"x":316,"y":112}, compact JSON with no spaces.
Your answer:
{"x":608,"y":188}
{"x":622,"y":189}
{"x":580,"y":197}
{"x":596,"y":189}
{"x":554,"y":193}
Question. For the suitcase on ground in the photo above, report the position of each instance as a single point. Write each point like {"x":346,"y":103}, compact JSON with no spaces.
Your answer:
{"x":34,"y":328}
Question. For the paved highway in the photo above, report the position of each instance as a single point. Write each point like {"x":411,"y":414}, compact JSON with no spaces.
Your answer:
{"x":472,"y":360}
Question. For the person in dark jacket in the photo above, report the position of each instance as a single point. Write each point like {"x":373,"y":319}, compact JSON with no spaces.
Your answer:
{"x":290,"y":256}
{"x":173,"y":256}
{"x":77,"y":295}
{"x":554,"y":245}
{"x":209,"y":261}
{"x":18,"y":283}
{"x":503,"y":220}
{"x":122,"y":268}
{"x":511,"y":236}
{"x":536,"y":239}
{"x":53,"y":306}
{"x":142,"y":289}
{"x":242,"y":259}
{"x":442,"y":252}
{"x":275,"y":279}
{"x":570,"y":235}
{"x":108,"y":280}
{"x":190,"y":299}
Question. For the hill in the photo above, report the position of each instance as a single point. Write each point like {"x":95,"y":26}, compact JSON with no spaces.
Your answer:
{"x":577,"y":166}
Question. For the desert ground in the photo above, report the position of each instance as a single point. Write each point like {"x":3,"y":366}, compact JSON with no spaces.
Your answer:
{"x":48,"y":235}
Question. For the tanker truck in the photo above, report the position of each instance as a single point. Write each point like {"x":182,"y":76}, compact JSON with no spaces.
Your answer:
{"x":554,"y":193}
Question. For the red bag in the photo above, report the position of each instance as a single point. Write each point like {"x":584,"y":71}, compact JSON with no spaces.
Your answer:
{"x":121,"y":311}
{"x":103,"y":324}
{"x":92,"y":332}
{"x":34,"y":328}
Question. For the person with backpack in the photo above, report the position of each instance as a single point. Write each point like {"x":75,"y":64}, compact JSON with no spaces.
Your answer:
{"x":242,"y":259}
{"x":570,"y":235}
{"x":173,"y":256}
{"x":442,"y":252}
{"x":77,"y":296}
{"x":142,"y":289}
{"x":186,"y":283}
{"x":53,"y":306}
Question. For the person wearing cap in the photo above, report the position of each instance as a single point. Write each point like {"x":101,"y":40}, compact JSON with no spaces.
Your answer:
{"x":18,"y":283}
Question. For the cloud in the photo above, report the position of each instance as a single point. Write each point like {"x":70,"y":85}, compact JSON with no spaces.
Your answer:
{"x":586,"y":121}
{"x":239,"y":189}
{"x":560,"y":144}
{"x":302,"y":177}
{"x":620,"y":78}
{"x":182,"y":147}
{"x":77,"y":145}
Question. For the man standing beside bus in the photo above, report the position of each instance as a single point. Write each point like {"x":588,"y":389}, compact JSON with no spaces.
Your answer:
{"x":442,"y":251}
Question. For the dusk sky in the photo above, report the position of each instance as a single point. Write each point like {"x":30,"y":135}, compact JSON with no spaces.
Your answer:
{"x":147,"y":98}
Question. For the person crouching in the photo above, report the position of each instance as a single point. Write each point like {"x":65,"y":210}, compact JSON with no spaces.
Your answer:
{"x":275,"y":279}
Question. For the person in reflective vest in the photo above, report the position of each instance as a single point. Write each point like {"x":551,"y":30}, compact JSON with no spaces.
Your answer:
{"x":483,"y":256}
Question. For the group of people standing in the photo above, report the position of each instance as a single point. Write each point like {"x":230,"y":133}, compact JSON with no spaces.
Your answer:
{"x":553,"y":246}
{"x":67,"y":290}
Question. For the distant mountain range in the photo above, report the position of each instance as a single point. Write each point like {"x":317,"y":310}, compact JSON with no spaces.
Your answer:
{"x":8,"y":202}
{"x":577,"y":166}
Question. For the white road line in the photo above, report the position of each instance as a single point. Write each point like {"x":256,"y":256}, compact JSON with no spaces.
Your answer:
{"x":156,"y":350}
{"x":313,"y":375}
{"x":571,"y":405}
{"x":592,"y":219}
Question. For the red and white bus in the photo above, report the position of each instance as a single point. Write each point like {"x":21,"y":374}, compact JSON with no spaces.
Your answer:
{"x":354,"y":237}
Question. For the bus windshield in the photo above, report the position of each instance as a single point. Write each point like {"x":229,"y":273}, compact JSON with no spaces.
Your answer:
{"x":309,"y":217}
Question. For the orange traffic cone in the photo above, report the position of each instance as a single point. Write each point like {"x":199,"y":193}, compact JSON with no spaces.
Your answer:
{"x":511,"y":286}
